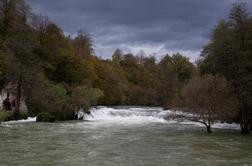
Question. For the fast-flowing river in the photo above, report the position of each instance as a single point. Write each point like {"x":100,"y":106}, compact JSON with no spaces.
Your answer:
{"x":123,"y":137}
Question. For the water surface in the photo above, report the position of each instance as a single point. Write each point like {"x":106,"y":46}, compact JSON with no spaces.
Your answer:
{"x":122,"y":137}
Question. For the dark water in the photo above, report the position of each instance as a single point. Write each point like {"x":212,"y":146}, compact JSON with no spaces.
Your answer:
{"x":121,"y":143}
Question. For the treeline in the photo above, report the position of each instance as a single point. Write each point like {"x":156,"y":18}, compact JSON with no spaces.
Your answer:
{"x":139,"y":80}
{"x":50,"y":69}
{"x":57,"y":74}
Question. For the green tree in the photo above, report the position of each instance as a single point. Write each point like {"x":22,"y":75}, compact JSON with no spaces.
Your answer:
{"x":44,"y":63}
{"x":175,"y":71}
{"x":82,"y":97}
{"x":111,"y":81}
{"x":18,"y":41}
{"x":117,"y":56}
{"x":228,"y":54}
{"x":83,"y":45}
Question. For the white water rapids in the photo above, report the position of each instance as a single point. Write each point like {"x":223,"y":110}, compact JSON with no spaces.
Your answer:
{"x":127,"y":115}
{"x":140,"y":115}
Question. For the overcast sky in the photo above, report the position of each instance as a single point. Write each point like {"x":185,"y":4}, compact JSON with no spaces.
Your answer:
{"x":155,"y":26}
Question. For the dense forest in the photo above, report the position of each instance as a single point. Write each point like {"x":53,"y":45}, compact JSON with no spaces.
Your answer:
{"x":59,"y":74}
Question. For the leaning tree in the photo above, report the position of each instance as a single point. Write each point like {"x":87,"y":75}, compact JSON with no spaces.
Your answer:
{"x":210,"y":98}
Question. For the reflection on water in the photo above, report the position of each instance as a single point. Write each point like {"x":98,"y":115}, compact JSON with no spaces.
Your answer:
{"x":132,"y":138}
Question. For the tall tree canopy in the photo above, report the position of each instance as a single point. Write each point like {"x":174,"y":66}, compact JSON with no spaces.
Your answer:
{"x":229,"y":54}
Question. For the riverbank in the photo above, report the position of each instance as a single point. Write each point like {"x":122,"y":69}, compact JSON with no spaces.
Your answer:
{"x":6,"y":116}
{"x":134,"y":114}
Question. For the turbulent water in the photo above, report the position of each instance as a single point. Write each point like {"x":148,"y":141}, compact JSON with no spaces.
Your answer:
{"x":132,"y":136}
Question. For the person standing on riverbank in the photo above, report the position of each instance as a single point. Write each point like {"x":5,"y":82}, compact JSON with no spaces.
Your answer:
{"x":7,"y":103}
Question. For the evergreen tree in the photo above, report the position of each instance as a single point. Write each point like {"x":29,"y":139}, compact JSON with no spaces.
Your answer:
{"x":229,"y":54}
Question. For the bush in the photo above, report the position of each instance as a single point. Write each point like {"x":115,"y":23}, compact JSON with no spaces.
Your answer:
{"x":45,"y":117}
{"x":64,"y":115}
{"x":10,"y":116}
{"x":5,"y":115}
{"x":23,"y":115}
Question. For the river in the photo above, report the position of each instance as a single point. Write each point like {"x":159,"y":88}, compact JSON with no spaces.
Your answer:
{"x":132,"y":136}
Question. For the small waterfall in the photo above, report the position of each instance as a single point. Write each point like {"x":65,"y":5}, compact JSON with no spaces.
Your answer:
{"x":139,"y":115}
{"x":129,"y":114}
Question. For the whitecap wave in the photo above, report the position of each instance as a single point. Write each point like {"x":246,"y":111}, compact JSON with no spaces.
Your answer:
{"x":30,"y":119}
{"x":127,"y":115}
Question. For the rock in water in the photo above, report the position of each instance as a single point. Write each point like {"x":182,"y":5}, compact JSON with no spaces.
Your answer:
{"x":81,"y":115}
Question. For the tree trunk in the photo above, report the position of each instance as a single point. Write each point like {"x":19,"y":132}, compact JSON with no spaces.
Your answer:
{"x":244,"y":122}
{"x":244,"y":118}
{"x":209,"y":129}
{"x":18,"y":98}
{"x":209,"y":122}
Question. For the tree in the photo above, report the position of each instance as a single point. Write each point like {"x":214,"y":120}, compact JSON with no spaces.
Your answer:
{"x":117,"y":56}
{"x":111,"y":80}
{"x":210,"y":98}
{"x":46,"y":65}
{"x":83,"y":45}
{"x":82,"y":97}
{"x":17,"y":40}
{"x":2,"y":71}
{"x":229,"y":54}
{"x":174,"y":72}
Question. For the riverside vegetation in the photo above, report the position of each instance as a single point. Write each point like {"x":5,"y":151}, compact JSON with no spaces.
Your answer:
{"x":58,"y":74}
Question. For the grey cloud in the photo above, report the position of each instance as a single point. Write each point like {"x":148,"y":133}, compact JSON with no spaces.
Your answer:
{"x":182,"y":25}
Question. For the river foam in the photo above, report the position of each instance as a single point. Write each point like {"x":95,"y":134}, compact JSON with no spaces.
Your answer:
{"x":139,"y":115}
{"x":127,"y":115}
{"x":30,"y":119}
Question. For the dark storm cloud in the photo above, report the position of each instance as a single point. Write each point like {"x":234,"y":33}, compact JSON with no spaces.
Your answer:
{"x":154,"y":25}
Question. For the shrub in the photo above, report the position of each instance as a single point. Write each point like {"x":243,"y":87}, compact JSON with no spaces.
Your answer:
{"x":64,"y":115}
{"x":45,"y":117}
{"x":10,"y":116}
